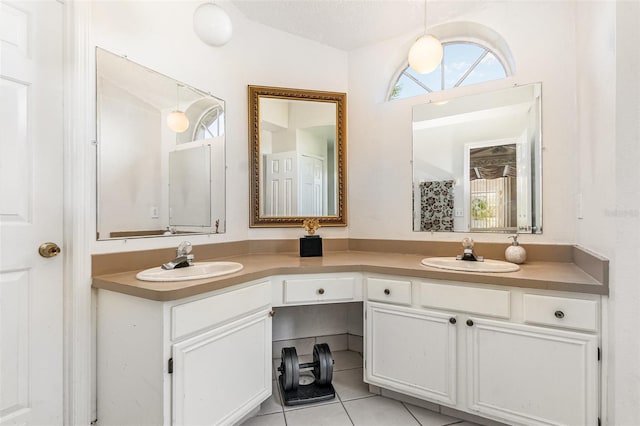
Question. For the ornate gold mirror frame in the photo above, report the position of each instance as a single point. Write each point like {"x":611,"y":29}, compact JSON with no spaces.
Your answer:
{"x":274,"y":115}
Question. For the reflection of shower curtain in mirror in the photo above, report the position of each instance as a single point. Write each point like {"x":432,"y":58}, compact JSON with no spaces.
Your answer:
{"x":436,"y":206}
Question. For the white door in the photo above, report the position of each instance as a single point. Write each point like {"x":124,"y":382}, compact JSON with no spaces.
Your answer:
{"x":281,"y":184}
{"x":412,"y":351}
{"x":311,"y":187}
{"x":222,"y":375}
{"x":532,"y":375}
{"x":31,"y":123}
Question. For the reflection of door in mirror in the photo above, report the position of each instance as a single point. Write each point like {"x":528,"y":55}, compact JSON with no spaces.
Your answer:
{"x":477,"y":163}
{"x":492,"y":188}
{"x":190,"y":187}
{"x":497,"y":180}
{"x":297,"y":143}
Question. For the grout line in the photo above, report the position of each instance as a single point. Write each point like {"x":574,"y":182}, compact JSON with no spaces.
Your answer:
{"x":345,"y":408}
{"x":410,"y":413}
{"x":360,"y":397}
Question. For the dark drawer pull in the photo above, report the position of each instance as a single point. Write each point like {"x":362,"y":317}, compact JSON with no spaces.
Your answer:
{"x":559,"y":314}
{"x":321,"y":291}
{"x":387,"y":291}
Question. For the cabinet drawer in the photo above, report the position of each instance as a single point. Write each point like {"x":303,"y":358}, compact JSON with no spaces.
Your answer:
{"x":391,"y":291}
{"x":565,"y":312}
{"x":320,"y":290}
{"x":210,"y":311}
{"x":483,"y":301}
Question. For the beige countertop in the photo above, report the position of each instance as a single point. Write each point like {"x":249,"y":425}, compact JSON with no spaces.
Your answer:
{"x":559,"y":276}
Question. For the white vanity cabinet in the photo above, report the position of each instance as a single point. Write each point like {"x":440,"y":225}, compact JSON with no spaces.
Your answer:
{"x":518,"y":356}
{"x":531,"y":375}
{"x":412,"y":351}
{"x":201,"y":360}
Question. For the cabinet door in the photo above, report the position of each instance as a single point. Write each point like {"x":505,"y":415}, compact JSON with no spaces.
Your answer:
{"x":532,"y":375}
{"x":221,"y":375}
{"x":411,"y":351}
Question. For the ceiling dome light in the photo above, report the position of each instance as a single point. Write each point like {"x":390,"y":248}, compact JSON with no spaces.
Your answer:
{"x":178,"y":121}
{"x":426,"y":54}
{"x":212,"y":24}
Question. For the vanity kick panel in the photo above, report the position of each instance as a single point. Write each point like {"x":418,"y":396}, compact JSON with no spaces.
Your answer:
{"x":493,"y":303}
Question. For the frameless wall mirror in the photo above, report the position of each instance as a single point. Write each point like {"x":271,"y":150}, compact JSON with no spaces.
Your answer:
{"x":297,"y":147}
{"x":477,"y":163}
{"x":161,"y":153}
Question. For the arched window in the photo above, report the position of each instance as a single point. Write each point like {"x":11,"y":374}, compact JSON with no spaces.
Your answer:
{"x":463,"y":63}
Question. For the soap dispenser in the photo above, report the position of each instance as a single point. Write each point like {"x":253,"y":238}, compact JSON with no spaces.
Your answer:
{"x":515,"y":253}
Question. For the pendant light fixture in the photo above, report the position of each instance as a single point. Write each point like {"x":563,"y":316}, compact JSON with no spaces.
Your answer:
{"x":212,"y":24}
{"x":426,"y":53}
{"x":177,"y":120}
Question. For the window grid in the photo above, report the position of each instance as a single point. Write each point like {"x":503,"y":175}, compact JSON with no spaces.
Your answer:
{"x":455,"y":54}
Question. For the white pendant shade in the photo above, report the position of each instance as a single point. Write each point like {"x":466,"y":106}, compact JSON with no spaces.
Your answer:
{"x":426,"y":54}
{"x":212,"y":24}
{"x":178,"y":121}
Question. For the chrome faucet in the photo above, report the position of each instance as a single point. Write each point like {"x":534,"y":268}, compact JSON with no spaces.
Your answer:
{"x":468,"y":253}
{"x":183,"y":258}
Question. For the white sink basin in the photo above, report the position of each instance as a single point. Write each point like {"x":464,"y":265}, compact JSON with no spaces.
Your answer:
{"x":452,"y":264}
{"x":196,"y":271}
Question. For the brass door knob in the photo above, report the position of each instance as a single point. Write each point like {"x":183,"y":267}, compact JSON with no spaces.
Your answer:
{"x":49,"y":249}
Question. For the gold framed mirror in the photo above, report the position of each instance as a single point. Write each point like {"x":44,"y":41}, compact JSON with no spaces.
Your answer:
{"x":297,"y":152}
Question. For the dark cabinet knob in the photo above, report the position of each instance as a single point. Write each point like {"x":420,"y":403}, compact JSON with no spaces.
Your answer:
{"x":559,"y":314}
{"x":452,"y":320}
{"x":321,"y":291}
{"x":469,"y":322}
{"x":387,"y":291}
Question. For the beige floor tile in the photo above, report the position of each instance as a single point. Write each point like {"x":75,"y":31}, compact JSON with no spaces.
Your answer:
{"x":274,"y":403}
{"x":431,"y":418}
{"x":328,"y":415}
{"x":349,"y":384}
{"x":276,"y":419}
{"x":379,"y":411}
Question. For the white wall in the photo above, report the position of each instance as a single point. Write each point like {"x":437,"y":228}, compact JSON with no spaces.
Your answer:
{"x":608,"y":125}
{"x":131,"y":181}
{"x":159,"y":35}
{"x":380,"y":136}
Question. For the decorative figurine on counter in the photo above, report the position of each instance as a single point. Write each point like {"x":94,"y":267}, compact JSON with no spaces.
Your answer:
{"x":515,"y":253}
{"x":311,"y":244}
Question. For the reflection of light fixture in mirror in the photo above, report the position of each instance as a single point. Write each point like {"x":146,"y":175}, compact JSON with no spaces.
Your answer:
{"x":177,"y":120}
{"x":426,"y":53}
{"x":212,"y":24}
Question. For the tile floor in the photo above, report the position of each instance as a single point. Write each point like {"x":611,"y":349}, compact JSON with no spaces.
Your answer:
{"x":353,"y":405}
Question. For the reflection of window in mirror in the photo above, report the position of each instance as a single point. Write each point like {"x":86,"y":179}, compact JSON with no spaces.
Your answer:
{"x":463,"y":63}
{"x":211,"y":124}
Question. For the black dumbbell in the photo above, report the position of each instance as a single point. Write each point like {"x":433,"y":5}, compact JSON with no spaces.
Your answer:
{"x":322,"y":366}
